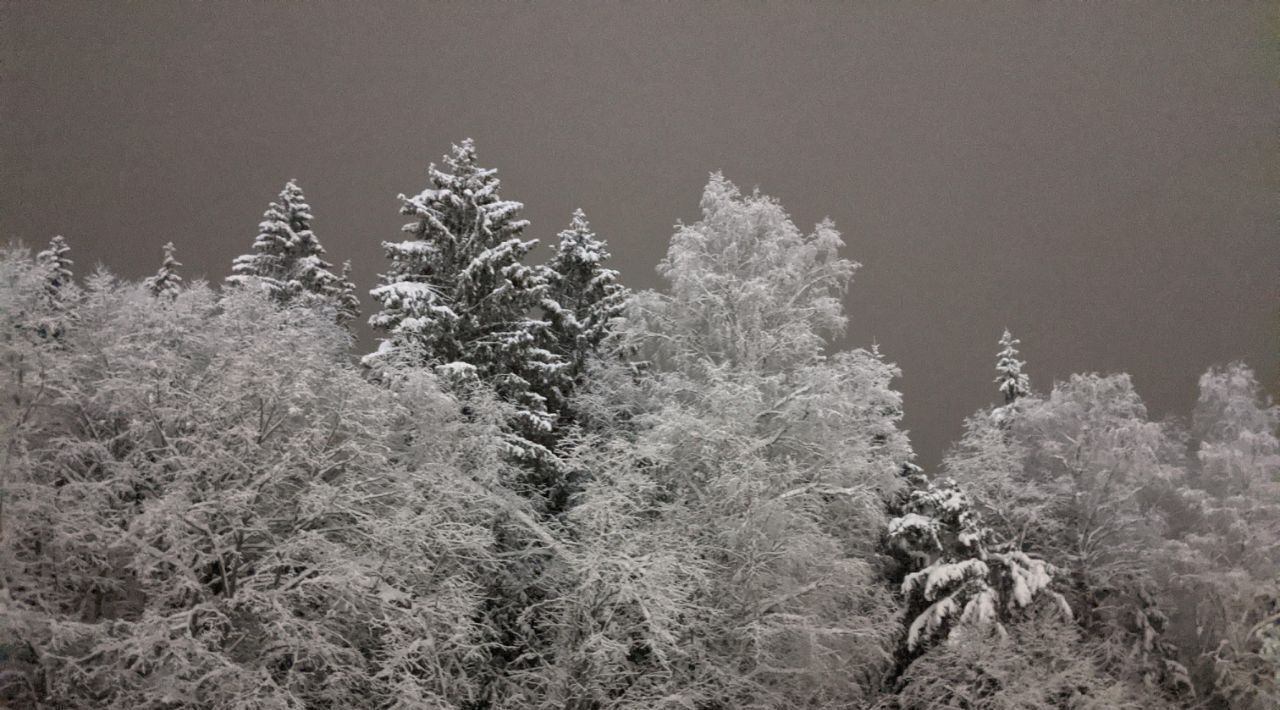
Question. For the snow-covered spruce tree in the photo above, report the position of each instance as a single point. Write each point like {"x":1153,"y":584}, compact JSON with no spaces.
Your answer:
{"x":167,"y":282}
{"x":56,"y":263}
{"x":963,"y":581}
{"x":581,"y":306}
{"x":1010,"y":379}
{"x":457,"y":297}
{"x":287,"y":258}
{"x":41,"y":294}
{"x":58,"y":288}
{"x":1222,"y":562}
{"x":985,"y":627}
{"x":988,"y":460}
{"x":457,"y":291}
{"x":345,"y":298}
{"x":762,"y":460}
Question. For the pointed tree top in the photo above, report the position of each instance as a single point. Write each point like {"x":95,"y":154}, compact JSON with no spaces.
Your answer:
{"x":56,"y":261}
{"x":57,"y":250}
{"x":1011,"y":380}
{"x":297,"y":211}
{"x":1008,"y":341}
{"x":578,"y":243}
{"x":462,"y":156}
{"x":344,"y":293}
{"x":167,"y":281}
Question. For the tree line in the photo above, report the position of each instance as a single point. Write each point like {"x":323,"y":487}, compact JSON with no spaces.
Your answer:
{"x":545,"y":490}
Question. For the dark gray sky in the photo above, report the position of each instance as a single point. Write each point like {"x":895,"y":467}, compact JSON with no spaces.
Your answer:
{"x":1100,"y":177}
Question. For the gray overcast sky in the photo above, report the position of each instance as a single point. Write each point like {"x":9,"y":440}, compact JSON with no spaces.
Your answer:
{"x":1100,"y":177}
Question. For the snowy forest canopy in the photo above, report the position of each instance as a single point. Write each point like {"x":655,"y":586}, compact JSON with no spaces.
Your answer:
{"x":544,"y":490}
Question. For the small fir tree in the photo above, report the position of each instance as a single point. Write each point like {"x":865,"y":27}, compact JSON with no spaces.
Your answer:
{"x":287,"y":259}
{"x":167,"y":282}
{"x":345,"y":296}
{"x":57,"y":287}
{"x":56,"y":265}
{"x":1011,"y":380}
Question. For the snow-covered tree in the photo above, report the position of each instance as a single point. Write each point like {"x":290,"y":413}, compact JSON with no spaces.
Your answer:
{"x":1094,"y":470}
{"x":58,"y":288}
{"x":620,"y":623}
{"x":24,"y":355}
{"x":988,"y":464}
{"x":756,"y":292}
{"x":1078,"y":477}
{"x":1010,"y":379}
{"x":345,"y":298}
{"x":212,"y":508}
{"x":1041,"y":663}
{"x":582,"y":304}
{"x":56,"y":264}
{"x":1222,"y":566}
{"x":963,"y":580}
{"x":1236,"y":427}
{"x":457,"y":292}
{"x":1093,"y":454}
{"x":766,"y":454}
{"x":457,"y":297}
{"x":287,"y":258}
{"x":167,"y":282}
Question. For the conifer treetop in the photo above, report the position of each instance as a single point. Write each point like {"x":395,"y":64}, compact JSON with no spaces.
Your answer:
{"x":1011,"y":380}
{"x":284,"y":238}
{"x":582,"y":304}
{"x":287,"y":258}
{"x":586,"y":293}
{"x":347,"y":302}
{"x":461,"y":190}
{"x":58,"y":264}
{"x":578,"y":244}
{"x":167,"y":281}
{"x":458,"y":290}
{"x":460,"y":273}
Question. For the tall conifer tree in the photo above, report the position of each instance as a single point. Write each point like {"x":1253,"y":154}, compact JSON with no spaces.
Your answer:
{"x":457,"y":291}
